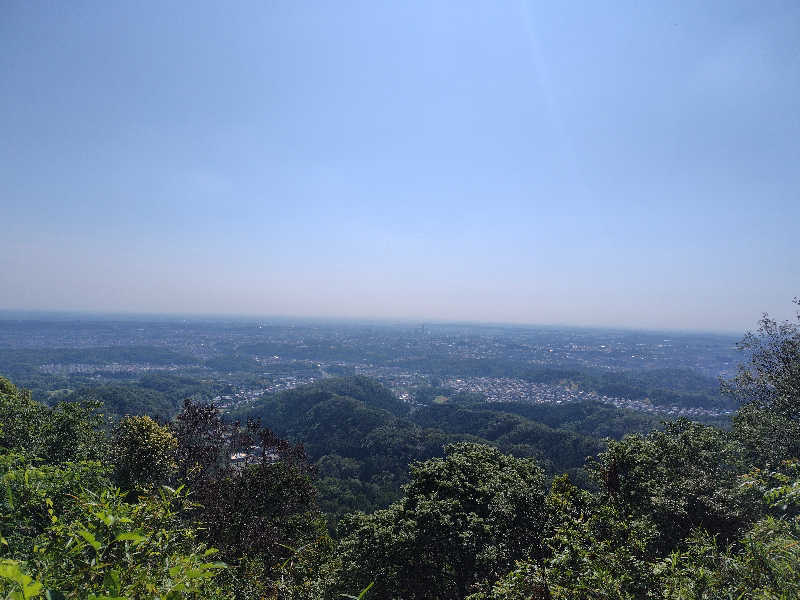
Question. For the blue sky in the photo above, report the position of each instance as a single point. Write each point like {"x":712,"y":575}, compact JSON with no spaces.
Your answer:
{"x":586,"y":163}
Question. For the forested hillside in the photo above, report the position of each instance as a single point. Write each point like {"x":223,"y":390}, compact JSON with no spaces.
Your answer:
{"x":363,"y":439}
{"x":156,"y":395}
{"x":204,"y":507}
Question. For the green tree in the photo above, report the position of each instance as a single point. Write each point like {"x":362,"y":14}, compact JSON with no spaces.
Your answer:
{"x":594,"y":552}
{"x":681,"y":478}
{"x":28,"y":490}
{"x":763,"y":563}
{"x":768,"y":387}
{"x":19,"y":415}
{"x":464,"y":519}
{"x":143,"y":453}
{"x":69,"y":431}
{"x":106,"y":547}
{"x":255,"y":492}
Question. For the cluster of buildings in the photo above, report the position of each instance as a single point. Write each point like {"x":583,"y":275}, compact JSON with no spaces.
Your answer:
{"x":91,"y":369}
{"x":246,"y":395}
{"x":509,"y":389}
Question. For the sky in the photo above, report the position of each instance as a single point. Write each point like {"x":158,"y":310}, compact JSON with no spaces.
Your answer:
{"x":587,"y":163}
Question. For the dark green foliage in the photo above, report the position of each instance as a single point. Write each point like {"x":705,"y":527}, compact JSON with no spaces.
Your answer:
{"x":594,"y":551}
{"x":358,"y":419}
{"x":768,"y":437}
{"x":663,"y":387}
{"x":67,"y":432}
{"x":119,"y":400}
{"x":681,"y":478}
{"x":346,"y":422}
{"x":19,"y":416}
{"x":557,"y":450}
{"x":156,"y":395}
{"x":354,"y":418}
{"x":286,"y":412}
{"x":177,"y":388}
{"x":463,"y":520}
{"x":340,"y":495}
{"x":763,"y":563}
{"x":770,"y":380}
{"x":768,"y":386}
{"x":600,"y":553}
{"x":392,"y":447}
{"x":588,"y":418}
{"x":255,"y":491}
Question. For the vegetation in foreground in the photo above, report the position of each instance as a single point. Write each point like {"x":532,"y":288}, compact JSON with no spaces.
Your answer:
{"x":201,"y":508}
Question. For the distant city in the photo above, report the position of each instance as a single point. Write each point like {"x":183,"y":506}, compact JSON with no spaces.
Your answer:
{"x":240,"y":361}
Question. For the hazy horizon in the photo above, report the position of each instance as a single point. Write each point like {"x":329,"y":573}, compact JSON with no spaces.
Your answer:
{"x":44,"y":315}
{"x":623,"y":166}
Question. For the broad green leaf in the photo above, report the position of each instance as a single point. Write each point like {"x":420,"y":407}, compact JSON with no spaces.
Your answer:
{"x":90,"y":539}
{"x":130,"y":536}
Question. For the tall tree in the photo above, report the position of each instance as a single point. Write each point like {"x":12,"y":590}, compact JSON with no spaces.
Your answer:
{"x":464,"y":520}
{"x":768,"y":388}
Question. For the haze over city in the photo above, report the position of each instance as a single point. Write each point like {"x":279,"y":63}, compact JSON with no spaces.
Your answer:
{"x":604,"y":164}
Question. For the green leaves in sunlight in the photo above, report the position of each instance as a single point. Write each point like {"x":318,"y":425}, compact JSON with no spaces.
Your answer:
{"x":22,"y":586}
